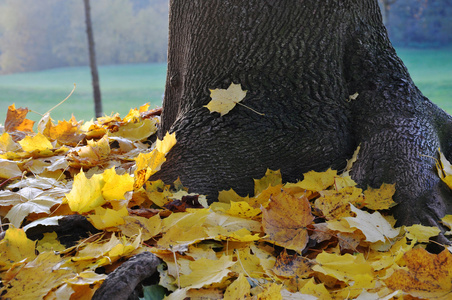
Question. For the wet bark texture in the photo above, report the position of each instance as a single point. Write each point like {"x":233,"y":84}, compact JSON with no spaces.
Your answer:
{"x":300,"y":61}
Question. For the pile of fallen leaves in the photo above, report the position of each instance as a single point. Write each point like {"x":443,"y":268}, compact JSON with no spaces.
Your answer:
{"x":320,"y":238}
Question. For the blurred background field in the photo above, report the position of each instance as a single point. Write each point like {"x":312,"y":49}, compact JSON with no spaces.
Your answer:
{"x":43,"y":52}
{"x":123,"y":87}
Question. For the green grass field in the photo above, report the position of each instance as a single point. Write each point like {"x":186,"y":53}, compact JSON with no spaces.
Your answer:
{"x":128,"y":86}
{"x":122,"y":87}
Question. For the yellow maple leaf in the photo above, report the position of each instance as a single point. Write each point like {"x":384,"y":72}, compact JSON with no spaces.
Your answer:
{"x":336,"y":204}
{"x":51,"y":275}
{"x":263,"y":198}
{"x":285,"y":221}
{"x":178,"y":238}
{"x":447,"y":220}
{"x":14,"y":247}
{"x":318,"y":181}
{"x":248,"y":263}
{"x":86,"y":194}
{"x":271,"y":178}
{"x":136,"y":131}
{"x":243,"y":210}
{"x":124,"y":248}
{"x":420,"y":233}
{"x":381,"y":260}
{"x":7,"y":143}
{"x":36,"y":143}
{"x":271,"y":291}
{"x":381,"y":198}
{"x":206,"y":271}
{"x":149,"y":163}
{"x":223,"y":101}
{"x":113,"y":248}
{"x":86,"y":278}
{"x":49,"y":242}
{"x":148,"y":227}
{"x":158,"y":192}
{"x":342,"y":181}
{"x":318,"y":290}
{"x":96,"y":150}
{"x":239,"y":289}
{"x":116,"y":185}
{"x":108,"y":218}
{"x":65,"y":132}
{"x":425,"y":275}
{"x":345,"y":267}
{"x":231,"y":196}
{"x":444,"y":169}
{"x":241,"y":235}
{"x":165,"y":145}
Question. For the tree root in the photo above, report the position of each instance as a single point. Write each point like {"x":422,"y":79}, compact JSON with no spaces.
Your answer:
{"x":121,"y":283}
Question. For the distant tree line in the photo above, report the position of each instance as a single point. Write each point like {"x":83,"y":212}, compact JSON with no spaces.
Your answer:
{"x":44,"y":34}
{"x":418,"y":23}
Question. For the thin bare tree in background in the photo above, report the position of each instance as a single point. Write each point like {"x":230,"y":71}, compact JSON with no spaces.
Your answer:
{"x":386,"y":5}
{"x":92,"y":61}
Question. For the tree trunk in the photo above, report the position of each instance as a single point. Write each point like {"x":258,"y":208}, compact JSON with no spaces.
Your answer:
{"x":300,"y":61}
{"x":92,"y":61}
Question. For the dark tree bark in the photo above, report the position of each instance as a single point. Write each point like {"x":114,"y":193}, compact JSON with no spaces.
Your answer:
{"x":299,"y":60}
{"x":92,"y":61}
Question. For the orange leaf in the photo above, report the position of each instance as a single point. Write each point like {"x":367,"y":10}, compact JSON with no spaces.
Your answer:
{"x":16,"y":121}
{"x":285,"y":220}
{"x":426,"y":275}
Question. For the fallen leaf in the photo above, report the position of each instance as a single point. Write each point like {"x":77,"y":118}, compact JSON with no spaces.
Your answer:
{"x":425,"y":275}
{"x":149,"y":227}
{"x":318,"y":181}
{"x":29,"y":200}
{"x":36,"y":143}
{"x":49,"y":242}
{"x":15,"y":247}
{"x":381,"y":198}
{"x":206,"y":271}
{"x":136,"y":131}
{"x":107,"y":218}
{"x":285,"y":221}
{"x":116,"y":185}
{"x":9,"y":169}
{"x":420,"y":233}
{"x":239,"y":289}
{"x":16,"y":120}
{"x":223,"y":101}
{"x":51,"y":275}
{"x":7,"y":143}
{"x":271,"y":178}
{"x":374,"y":226}
{"x":271,"y":291}
{"x":336,"y":204}
{"x":86,"y":194}
{"x":343,"y":267}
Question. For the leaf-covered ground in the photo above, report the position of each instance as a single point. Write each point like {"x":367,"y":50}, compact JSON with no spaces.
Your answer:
{"x":320,"y":238}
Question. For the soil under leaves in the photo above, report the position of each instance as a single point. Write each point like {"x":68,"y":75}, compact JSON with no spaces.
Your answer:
{"x":76,"y":204}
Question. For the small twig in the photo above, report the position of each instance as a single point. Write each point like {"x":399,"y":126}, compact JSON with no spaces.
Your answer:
{"x":70,"y":94}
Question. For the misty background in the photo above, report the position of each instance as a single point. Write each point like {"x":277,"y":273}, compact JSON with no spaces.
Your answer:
{"x":37,"y":35}
{"x":51,"y":34}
